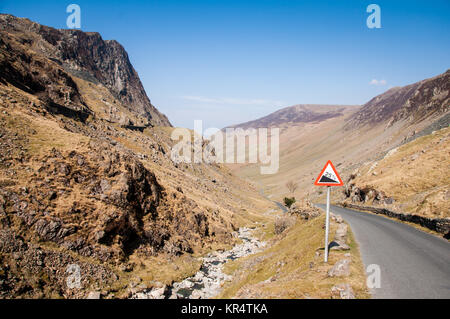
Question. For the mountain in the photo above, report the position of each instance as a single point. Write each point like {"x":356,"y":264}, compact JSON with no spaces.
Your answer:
{"x":82,"y":54}
{"x":296,"y":114}
{"x":87,"y":177}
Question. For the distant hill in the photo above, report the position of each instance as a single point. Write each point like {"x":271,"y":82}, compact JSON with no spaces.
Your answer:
{"x":296,"y":114}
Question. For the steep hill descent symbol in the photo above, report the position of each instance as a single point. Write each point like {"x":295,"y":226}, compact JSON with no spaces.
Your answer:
{"x":328,"y":176}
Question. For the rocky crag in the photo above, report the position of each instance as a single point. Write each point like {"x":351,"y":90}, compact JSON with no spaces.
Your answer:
{"x":61,"y":53}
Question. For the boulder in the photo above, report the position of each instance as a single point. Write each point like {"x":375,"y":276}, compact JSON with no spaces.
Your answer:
{"x":340,"y":238}
{"x":94,"y":295}
{"x":338,"y":219}
{"x":338,"y":246}
{"x":158,"y":293}
{"x":341,"y":233}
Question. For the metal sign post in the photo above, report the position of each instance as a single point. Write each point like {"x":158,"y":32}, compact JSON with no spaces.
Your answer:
{"x":327,"y":224}
{"x":328,"y":177}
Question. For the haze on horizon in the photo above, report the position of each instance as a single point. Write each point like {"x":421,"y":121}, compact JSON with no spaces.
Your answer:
{"x":228,"y":62}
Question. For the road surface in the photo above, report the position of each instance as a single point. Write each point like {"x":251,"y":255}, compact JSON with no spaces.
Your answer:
{"x":413,"y":264}
{"x":279,"y":205}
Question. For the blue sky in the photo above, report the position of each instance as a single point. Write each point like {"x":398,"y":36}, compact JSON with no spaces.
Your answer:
{"x":226,"y":62}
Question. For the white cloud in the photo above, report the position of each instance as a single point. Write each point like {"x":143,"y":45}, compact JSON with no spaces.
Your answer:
{"x":233,"y":101}
{"x":378,"y":82}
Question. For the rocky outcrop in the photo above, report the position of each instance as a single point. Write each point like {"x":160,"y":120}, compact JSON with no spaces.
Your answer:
{"x":97,"y":203}
{"x":366,"y":194}
{"x":37,"y":75}
{"x":30,"y":271}
{"x":124,"y":207}
{"x":83,"y":54}
{"x":305,"y":210}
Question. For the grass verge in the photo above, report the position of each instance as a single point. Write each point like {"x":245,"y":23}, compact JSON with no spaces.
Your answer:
{"x":292,"y":267}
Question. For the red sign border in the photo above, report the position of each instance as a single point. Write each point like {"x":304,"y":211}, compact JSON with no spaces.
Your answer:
{"x":328,"y":184}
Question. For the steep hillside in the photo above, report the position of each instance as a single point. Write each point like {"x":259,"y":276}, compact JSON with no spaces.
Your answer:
{"x":84,"y":55}
{"x":86,"y":176}
{"x":413,"y":177}
{"x":412,"y":103}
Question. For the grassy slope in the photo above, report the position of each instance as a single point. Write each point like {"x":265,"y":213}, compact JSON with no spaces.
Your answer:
{"x":415,"y":175}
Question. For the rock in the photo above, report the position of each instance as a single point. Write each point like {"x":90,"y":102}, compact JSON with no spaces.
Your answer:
{"x":99,"y":235}
{"x":338,"y":246}
{"x":341,"y":233}
{"x":305,"y":210}
{"x":342,"y":291}
{"x":142,"y":287}
{"x":126,"y":267}
{"x":158,"y":293}
{"x":340,"y":238}
{"x":340,"y":269}
{"x":174,"y":296}
{"x":339,"y":219}
{"x":52,"y":230}
{"x":135,"y":282}
{"x":356,"y":198}
{"x":94,"y":295}
{"x":104,"y":185}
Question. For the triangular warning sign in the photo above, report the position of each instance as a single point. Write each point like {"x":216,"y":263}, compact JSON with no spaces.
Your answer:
{"x":328,"y":176}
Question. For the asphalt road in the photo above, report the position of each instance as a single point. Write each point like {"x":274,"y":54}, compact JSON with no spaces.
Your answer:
{"x":413,"y":264}
{"x":279,"y":205}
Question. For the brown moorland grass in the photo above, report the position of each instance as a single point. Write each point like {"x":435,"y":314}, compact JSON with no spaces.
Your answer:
{"x":415,"y":175}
